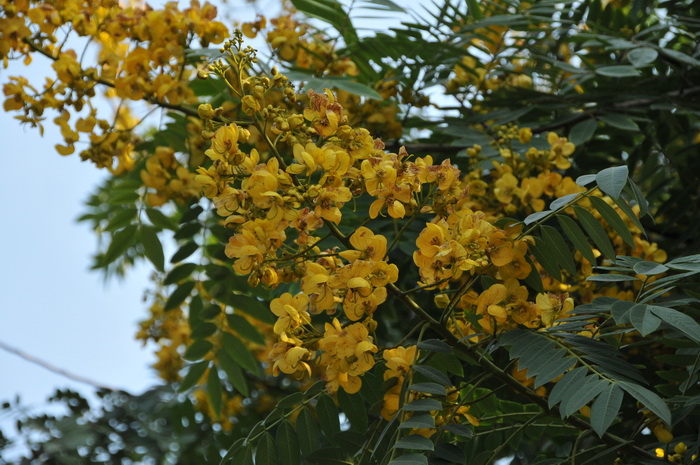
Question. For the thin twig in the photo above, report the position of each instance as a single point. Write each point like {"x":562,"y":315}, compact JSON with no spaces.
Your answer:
{"x":59,"y":371}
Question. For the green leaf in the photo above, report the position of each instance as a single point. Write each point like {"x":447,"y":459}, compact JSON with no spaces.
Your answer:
{"x":460,"y":430}
{"x":595,"y":231}
{"x":214,"y":390}
{"x":290,"y":401}
{"x":287,"y":444}
{"x":328,"y":415}
{"x":179,"y":295}
{"x":534,"y":280}
{"x":448,"y":363}
{"x":423,"y":405}
{"x":649,"y":268}
{"x":423,"y":420}
{"x":240,"y":353}
{"x":121,"y":218}
{"x":572,"y":378}
{"x":354,"y":408}
{"x":605,"y":408}
{"x":266,"y":452}
{"x":187,"y":230}
{"x":250,"y":305}
{"x":537,"y":354}
{"x":179,"y":273}
{"x":433,"y":374}
{"x":233,"y":453}
{"x":120,"y":243}
{"x":649,"y":399}
{"x":643,"y":319}
{"x":428,"y":388}
{"x":435,"y":345}
{"x":617,"y":71}
{"x":583,"y":131}
{"x":152,"y":247}
{"x":194,"y":373}
{"x":234,"y":373}
{"x":584,"y":393}
{"x":414,"y":442}
{"x":562,"y":201}
{"x":411,"y":459}
{"x":559,"y":248}
{"x":536,"y":216}
{"x":627,"y":209}
{"x":642,"y":56}
{"x":308,"y":432}
{"x":611,"y":278}
{"x":387,"y":5}
{"x":619,"y":121}
{"x":610,"y":215}
{"x":553,"y":370}
{"x":197,"y":350}
{"x":678,"y":320}
{"x":333,"y":82}
{"x":546,"y":257}
{"x":474,"y":10}
{"x":639,"y":198}
{"x":577,"y":238}
{"x":245,"y":328}
{"x":192,"y":213}
{"x":331,"y":12}
{"x":185,"y":251}
{"x":160,"y":220}
{"x":688,"y":263}
{"x":585,"y":179}
{"x":680,"y":56}
{"x":612,"y":180}
{"x":620,"y":311}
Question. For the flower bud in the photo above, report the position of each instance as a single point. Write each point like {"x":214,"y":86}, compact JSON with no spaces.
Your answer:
{"x":662,"y":433}
{"x":441,"y":301}
{"x":205,"y":111}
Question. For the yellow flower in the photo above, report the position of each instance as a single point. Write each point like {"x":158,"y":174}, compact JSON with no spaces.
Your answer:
{"x":324,"y":113}
{"x":315,"y":285}
{"x":553,"y":306}
{"x":383,"y":273}
{"x":501,"y":248}
{"x":464,"y":411}
{"x":392,"y":400}
{"x":560,"y":150}
{"x":291,"y":311}
{"x":347,"y":354}
{"x":518,"y":267}
{"x":356,"y":305}
{"x":399,"y":361}
{"x":329,"y":201}
{"x":525,"y":135}
{"x":505,"y":188}
{"x":378,"y":174}
{"x":503,"y":300}
{"x":290,"y":359}
{"x":368,"y":246}
{"x":224,"y":145}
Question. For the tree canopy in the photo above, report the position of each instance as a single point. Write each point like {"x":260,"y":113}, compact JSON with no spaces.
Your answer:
{"x":467,"y":238}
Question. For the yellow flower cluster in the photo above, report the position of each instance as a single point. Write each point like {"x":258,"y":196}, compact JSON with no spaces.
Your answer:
{"x":169,"y":179}
{"x":170,"y":331}
{"x":275,"y":205}
{"x":140,"y":56}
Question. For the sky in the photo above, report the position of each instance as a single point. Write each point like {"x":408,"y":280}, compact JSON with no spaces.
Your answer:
{"x":53,"y":306}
